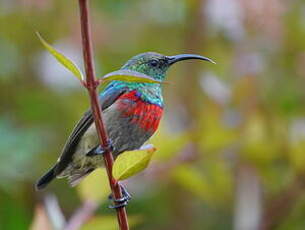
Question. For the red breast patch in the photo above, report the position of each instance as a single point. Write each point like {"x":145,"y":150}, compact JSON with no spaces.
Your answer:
{"x":143,"y":113}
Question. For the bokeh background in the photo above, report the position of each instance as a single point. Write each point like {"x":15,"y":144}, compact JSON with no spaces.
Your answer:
{"x":230,"y":147}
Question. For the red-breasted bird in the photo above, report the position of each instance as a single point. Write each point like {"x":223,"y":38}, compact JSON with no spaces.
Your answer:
{"x":131,"y":113}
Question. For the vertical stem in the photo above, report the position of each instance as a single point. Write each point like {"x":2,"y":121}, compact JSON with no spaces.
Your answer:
{"x":91,"y":85}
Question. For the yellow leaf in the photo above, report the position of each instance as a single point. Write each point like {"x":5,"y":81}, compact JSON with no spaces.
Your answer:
{"x":129,"y":76}
{"x":130,"y":163}
{"x":66,"y":62}
{"x":95,"y":187}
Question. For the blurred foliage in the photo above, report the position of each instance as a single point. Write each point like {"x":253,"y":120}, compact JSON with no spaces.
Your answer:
{"x":232,"y":134}
{"x":90,"y":190}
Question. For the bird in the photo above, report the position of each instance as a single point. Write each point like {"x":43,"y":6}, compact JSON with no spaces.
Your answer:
{"x":131,"y":113}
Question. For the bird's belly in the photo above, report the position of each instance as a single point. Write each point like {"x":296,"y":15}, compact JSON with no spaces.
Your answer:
{"x":131,"y":124}
{"x":128,"y":125}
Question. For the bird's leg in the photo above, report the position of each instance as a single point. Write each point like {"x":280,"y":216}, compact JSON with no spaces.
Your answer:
{"x":122,"y":202}
{"x":98,"y":150}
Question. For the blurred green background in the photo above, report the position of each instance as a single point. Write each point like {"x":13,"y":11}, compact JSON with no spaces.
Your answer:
{"x":230,"y":146}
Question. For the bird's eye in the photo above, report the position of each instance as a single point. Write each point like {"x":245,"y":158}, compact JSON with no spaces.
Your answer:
{"x":153,"y":63}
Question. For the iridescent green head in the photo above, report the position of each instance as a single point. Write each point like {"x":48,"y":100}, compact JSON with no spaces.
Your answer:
{"x":155,"y":65}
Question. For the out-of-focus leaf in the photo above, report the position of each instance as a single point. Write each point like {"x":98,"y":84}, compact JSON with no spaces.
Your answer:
{"x":95,"y":187}
{"x":258,"y":143}
{"x":217,"y":135}
{"x":109,"y":222}
{"x":132,"y":162}
{"x":22,"y":139}
{"x":169,"y":144}
{"x":66,"y":62}
{"x":297,"y":156}
{"x":129,"y":76}
{"x":192,"y":180}
{"x":211,"y":184}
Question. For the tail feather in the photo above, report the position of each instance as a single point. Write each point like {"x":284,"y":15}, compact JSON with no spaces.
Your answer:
{"x":46,"y":179}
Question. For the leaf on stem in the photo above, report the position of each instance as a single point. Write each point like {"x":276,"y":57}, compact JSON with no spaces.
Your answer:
{"x":132,"y":162}
{"x":129,"y":76}
{"x":66,"y":62}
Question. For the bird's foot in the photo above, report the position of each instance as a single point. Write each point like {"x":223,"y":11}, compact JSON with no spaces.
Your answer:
{"x":96,"y":151}
{"x":109,"y":147}
{"x":122,"y":202}
{"x":100,"y":151}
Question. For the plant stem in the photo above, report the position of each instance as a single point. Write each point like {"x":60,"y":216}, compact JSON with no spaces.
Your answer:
{"x":91,"y":85}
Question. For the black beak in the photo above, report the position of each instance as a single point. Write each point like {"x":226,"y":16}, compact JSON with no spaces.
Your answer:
{"x":181,"y":57}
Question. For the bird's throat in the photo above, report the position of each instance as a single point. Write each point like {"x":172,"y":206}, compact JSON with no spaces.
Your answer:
{"x":148,"y":92}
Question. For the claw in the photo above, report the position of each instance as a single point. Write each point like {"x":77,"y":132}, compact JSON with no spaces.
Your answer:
{"x":100,"y":151}
{"x":122,"y":202}
{"x":110,"y":146}
{"x":96,"y":151}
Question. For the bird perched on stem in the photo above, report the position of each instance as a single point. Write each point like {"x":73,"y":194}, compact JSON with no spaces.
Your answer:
{"x":131,"y":113}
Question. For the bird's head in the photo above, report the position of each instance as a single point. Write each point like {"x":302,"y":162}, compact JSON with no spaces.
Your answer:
{"x":155,"y":65}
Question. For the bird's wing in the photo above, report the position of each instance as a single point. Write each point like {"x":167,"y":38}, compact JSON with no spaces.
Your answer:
{"x":81,"y":127}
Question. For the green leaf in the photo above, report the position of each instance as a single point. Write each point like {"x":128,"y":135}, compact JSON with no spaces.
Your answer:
{"x":66,"y":62}
{"x":132,"y":162}
{"x":129,"y":76}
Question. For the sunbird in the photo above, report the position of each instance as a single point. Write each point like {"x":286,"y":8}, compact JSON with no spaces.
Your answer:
{"x":131,"y":112}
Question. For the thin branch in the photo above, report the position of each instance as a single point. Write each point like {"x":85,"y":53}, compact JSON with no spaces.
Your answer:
{"x":54,"y":212}
{"x":91,"y":85}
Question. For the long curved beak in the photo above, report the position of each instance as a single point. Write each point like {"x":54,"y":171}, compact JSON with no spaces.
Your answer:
{"x":181,"y":57}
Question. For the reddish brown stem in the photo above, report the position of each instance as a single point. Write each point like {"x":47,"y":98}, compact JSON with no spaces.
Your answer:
{"x":91,"y":85}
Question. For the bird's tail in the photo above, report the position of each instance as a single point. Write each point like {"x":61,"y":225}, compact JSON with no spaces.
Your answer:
{"x":46,"y":179}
